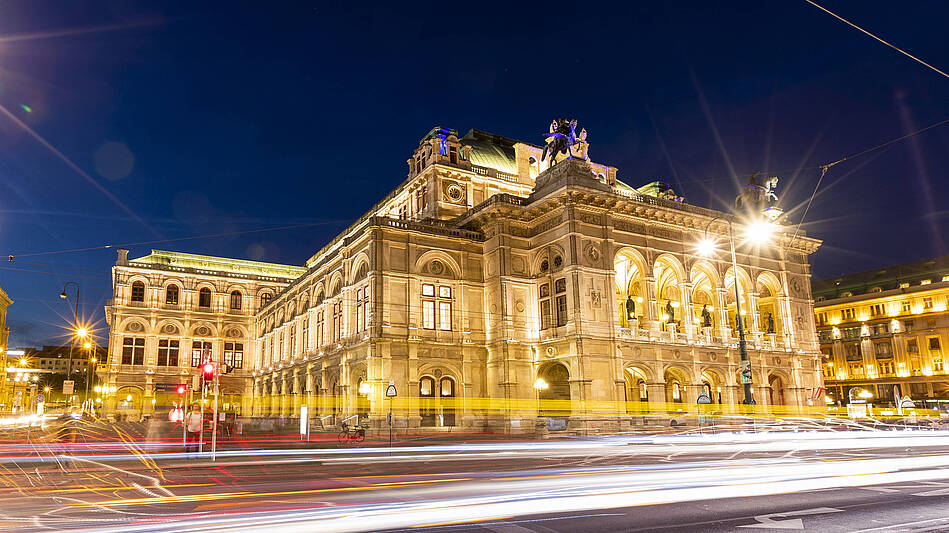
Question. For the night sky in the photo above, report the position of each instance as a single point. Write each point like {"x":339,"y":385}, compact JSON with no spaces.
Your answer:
{"x":168,"y":120}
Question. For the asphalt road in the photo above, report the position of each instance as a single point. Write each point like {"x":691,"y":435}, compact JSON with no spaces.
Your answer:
{"x":818,"y":482}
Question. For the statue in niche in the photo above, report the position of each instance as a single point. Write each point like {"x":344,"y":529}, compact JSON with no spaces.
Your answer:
{"x":770,"y":322}
{"x":630,"y":308}
{"x":671,"y":312}
{"x":706,"y":317}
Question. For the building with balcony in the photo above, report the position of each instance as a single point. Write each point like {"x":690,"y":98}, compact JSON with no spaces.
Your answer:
{"x":885,"y":331}
{"x":172,"y":311}
{"x":489,"y":280}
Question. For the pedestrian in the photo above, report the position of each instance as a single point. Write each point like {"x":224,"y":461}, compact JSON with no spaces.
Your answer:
{"x":193,"y":422}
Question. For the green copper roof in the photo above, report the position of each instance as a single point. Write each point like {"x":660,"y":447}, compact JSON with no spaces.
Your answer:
{"x":491,"y":151}
{"x":221,"y":264}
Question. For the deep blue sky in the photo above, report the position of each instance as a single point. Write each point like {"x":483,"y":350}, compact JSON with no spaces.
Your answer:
{"x":203,"y":117}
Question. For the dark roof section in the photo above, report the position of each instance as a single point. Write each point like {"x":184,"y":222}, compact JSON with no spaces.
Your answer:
{"x":885,"y":278}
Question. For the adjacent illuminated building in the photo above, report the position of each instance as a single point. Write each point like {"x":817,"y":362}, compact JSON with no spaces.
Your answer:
{"x":172,"y":311}
{"x":886,"y":331}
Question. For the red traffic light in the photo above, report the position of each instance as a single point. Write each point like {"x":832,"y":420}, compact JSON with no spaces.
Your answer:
{"x":181,"y":389}
{"x":208,"y":370}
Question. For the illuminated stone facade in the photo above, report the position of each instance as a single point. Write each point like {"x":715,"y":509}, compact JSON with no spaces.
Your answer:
{"x":886,"y":331}
{"x":485,"y":272}
{"x":171,"y":311}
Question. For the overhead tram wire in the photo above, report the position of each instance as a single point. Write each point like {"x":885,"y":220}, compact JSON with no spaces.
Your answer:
{"x":893,"y":46}
{"x":12,"y":257}
{"x":824,"y":168}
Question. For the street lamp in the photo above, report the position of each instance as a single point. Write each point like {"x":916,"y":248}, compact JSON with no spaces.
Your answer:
{"x":75,"y":324}
{"x":757,"y":232}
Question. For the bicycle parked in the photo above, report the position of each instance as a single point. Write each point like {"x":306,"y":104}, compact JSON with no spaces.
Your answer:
{"x":351,"y":434}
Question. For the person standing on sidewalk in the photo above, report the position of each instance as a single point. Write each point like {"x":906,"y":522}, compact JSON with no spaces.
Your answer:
{"x":193,"y":422}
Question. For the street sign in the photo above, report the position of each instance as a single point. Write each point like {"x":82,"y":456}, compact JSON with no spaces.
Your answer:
{"x":745,"y":370}
{"x":390,"y":390}
{"x":68,"y":387}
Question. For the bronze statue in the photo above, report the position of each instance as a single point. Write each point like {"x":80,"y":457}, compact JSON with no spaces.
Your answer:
{"x":706,"y":317}
{"x":630,"y":308}
{"x":561,"y":140}
{"x":671,"y":312}
{"x":770,"y":323}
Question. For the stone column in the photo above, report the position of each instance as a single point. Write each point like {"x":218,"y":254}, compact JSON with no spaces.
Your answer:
{"x":723,"y":329}
{"x":688,"y":320}
{"x":656,"y":393}
{"x":651,"y":314}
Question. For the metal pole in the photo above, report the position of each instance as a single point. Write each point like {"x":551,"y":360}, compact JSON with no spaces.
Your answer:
{"x":214,"y":423}
{"x":742,"y":347}
{"x":390,"y":424}
{"x":73,"y":338}
{"x":201,"y":434}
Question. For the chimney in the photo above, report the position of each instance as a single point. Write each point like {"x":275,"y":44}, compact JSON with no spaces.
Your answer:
{"x":123,"y":257}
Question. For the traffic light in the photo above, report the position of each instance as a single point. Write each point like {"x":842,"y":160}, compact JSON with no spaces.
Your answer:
{"x":181,"y":389}
{"x":208,"y":369}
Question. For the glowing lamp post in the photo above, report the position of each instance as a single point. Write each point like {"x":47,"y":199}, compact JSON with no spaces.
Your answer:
{"x":758,"y":232}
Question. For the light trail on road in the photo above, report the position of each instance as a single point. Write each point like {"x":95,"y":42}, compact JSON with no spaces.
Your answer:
{"x":425,"y":486}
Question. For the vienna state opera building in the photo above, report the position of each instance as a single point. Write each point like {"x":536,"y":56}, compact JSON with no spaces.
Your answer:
{"x":492,"y":288}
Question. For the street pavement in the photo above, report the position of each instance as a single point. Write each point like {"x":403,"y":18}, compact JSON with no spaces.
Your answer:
{"x":729,"y":482}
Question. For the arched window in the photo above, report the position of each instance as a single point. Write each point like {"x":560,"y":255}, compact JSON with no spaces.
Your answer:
{"x":361,"y":273}
{"x":265,"y":298}
{"x":171,"y":295}
{"x":138,"y":291}
{"x":204,"y":297}
{"x":236,"y":300}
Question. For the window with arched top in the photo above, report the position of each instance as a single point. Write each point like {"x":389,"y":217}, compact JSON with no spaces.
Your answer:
{"x":204,"y":297}
{"x":265,"y":298}
{"x":171,"y":295}
{"x":138,"y":291}
{"x":361,"y":273}
{"x":236,"y":300}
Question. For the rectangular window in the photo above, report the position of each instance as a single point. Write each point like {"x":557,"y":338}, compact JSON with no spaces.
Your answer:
{"x":882,"y":349}
{"x":452,"y":155}
{"x":545,"y":314}
{"x":138,"y":292}
{"x":168,"y":352}
{"x":428,"y":314}
{"x":856,"y":371}
{"x":428,"y":289}
{"x":907,"y":325}
{"x":911,"y":346}
{"x":273,"y":353}
{"x":853,"y":352}
{"x":360,"y":311}
{"x":337,"y":321}
{"x":886,"y":367}
{"x":305,"y":334}
{"x":319,"y":329}
{"x":444,"y":316}
{"x":906,"y":307}
{"x":281,"y":354}
{"x":937,"y":365}
{"x":927,"y":303}
{"x":562,"y":310}
{"x":234,"y":354}
{"x":934,"y":344}
{"x":200,"y":352}
{"x":444,"y":292}
{"x":846,"y":314}
{"x":292,"y":345}
{"x":133,"y":351}
{"x":403,"y":212}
